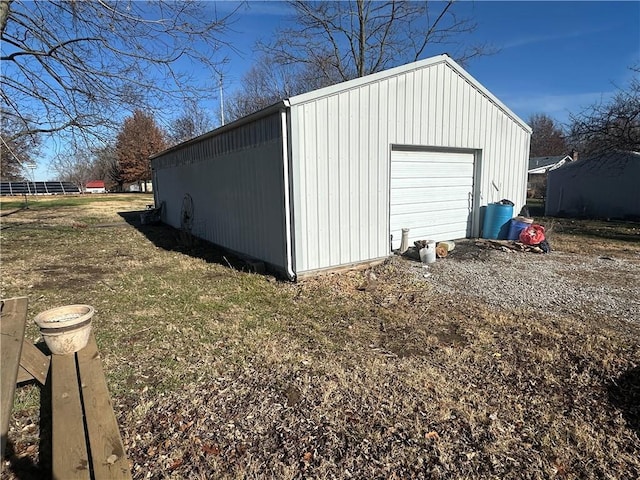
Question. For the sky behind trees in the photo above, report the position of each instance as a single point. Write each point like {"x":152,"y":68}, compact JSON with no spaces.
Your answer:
{"x":553,"y":58}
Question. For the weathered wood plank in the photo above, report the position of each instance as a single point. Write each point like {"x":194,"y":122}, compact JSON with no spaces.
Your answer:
{"x":69,"y":447}
{"x":35,"y":362}
{"x":107,"y":451}
{"x":13,"y":317}
{"x":24,"y":376}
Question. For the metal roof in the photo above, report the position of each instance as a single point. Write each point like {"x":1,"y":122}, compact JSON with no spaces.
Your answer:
{"x":225,"y":128}
{"x":609,"y":162}
{"x":95,"y":184}
{"x":350,"y":84}
{"x":544,"y":162}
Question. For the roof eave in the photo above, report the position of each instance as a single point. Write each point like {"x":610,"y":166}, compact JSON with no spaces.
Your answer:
{"x":276,"y":107}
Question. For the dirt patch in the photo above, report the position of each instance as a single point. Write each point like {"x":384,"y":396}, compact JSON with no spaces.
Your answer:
{"x":451,"y":336}
{"x":64,"y":277}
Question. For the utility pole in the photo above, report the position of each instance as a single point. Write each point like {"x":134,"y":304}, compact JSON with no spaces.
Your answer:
{"x":30,"y":166}
{"x":221,"y":103}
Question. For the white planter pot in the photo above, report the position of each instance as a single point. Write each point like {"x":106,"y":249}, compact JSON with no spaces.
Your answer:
{"x":66,"y":329}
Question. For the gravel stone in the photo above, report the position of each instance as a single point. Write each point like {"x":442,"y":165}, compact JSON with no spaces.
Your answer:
{"x":556,"y":283}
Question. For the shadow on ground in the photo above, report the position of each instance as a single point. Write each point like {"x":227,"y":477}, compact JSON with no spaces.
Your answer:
{"x":21,"y":465}
{"x":624,"y":394}
{"x":600,"y":229}
{"x":174,"y":240}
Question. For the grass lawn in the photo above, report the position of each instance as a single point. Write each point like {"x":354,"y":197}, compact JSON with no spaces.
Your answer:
{"x":216,"y":372}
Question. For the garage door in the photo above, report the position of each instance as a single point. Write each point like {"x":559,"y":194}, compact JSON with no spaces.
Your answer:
{"x":431,"y":194}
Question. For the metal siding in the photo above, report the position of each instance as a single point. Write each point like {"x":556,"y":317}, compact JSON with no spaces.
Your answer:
{"x":311,"y":196}
{"x":432,"y":107}
{"x":298,"y":185}
{"x":353,"y":160}
{"x":363,"y":171}
{"x":392,"y":109}
{"x":333,"y":181}
{"x":383,"y":151}
{"x":435,"y":106}
{"x":408,"y":94}
{"x":343,"y":181}
{"x":417,"y":106}
{"x":599,"y":186}
{"x":237,"y":194}
{"x":322,"y":169}
{"x":372,"y":119}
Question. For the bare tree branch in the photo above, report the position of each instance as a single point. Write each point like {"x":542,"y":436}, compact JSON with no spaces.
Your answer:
{"x":610,"y":125}
{"x":76,"y":67}
{"x":328,"y":42}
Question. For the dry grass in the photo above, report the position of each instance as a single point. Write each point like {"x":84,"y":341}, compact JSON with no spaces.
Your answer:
{"x":216,"y":372}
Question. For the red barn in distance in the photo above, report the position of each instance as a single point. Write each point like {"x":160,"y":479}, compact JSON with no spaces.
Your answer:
{"x":95,"y":186}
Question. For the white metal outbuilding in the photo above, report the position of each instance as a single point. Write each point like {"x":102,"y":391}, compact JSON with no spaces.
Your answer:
{"x":329,"y":178}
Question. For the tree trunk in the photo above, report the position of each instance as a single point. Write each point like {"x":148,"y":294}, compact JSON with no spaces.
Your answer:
{"x":361,"y":39}
{"x":5,"y":7}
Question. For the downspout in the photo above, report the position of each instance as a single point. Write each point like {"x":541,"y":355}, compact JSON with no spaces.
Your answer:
{"x":287,"y":200}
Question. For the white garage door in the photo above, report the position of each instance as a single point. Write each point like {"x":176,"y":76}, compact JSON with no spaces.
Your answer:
{"x":431,"y":194}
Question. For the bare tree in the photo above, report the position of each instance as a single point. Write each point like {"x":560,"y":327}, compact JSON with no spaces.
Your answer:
{"x":71,"y":66}
{"x":264,"y":84}
{"x":354,"y":38}
{"x":105,"y":167}
{"x":15,"y":151}
{"x":611,"y":125}
{"x":330,"y":42}
{"x":268,"y":82}
{"x":139,"y":138}
{"x":79,"y":166}
{"x":193,"y":121}
{"x":75,"y":166}
{"x":547,"y":137}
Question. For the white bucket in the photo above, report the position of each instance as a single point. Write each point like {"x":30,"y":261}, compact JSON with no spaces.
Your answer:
{"x":450,"y":244}
{"x":428,"y":253}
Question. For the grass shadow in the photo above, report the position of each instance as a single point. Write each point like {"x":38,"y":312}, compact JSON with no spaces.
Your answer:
{"x":23,"y":467}
{"x":11,"y":212}
{"x":624,"y":394}
{"x":599,"y":229}
{"x":174,"y":240}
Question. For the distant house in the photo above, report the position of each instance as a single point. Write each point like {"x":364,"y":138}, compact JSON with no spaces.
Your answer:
{"x":538,"y":169}
{"x":600,"y":186}
{"x":95,"y":186}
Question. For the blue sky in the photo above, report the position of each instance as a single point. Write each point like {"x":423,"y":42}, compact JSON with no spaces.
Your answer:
{"x":554,"y":58}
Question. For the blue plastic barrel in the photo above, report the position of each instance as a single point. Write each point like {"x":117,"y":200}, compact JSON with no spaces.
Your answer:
{"x":497,"y":220}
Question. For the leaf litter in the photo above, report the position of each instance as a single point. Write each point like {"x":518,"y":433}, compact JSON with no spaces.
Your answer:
{"x":381,"y":373}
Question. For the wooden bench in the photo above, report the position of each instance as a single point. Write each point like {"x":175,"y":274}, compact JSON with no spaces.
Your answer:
{"x":86,"y":442}
{"x":13,"y":318}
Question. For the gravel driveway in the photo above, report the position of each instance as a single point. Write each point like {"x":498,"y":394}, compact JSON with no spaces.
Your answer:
{"x":555,"y":283}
